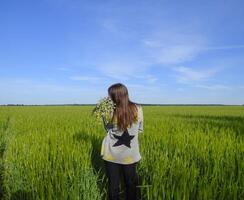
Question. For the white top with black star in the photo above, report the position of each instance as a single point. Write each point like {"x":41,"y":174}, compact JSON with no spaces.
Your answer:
{"x":122,"y":146}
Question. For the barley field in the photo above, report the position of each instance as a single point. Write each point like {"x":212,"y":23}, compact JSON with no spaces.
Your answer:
{"x":188,"y":152}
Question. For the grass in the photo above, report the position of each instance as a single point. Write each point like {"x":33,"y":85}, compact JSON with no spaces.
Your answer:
{"x":188,"y":152}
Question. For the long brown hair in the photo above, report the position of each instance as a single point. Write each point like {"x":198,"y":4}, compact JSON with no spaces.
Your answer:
{"x":125,"y":112}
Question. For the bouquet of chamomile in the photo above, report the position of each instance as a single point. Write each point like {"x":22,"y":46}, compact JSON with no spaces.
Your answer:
{"x":103,"y":110}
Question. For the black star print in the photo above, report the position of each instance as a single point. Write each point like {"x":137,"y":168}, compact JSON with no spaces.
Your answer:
{"x":124,"y":139}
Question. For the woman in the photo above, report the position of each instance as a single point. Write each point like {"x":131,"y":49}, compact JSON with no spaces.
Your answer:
{"x":120,"y":148}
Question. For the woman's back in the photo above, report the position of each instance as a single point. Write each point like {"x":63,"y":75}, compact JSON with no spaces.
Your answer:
{"x":122,"y":146}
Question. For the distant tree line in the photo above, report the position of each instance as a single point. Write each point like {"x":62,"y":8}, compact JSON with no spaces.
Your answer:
{"x":143,"y":104}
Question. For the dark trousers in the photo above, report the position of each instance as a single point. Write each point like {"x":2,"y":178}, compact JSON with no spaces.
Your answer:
{"x":130,"y":177}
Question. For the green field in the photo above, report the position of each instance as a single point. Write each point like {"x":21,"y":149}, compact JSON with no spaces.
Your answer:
{"x":188,"y":152}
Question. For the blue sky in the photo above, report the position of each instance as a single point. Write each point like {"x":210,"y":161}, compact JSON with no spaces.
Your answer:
{"x":71,"y":51}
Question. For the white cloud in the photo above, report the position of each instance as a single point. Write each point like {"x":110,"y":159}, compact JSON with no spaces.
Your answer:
{"x":175,"y":47}
{"x":186,"y":74}
{"x":172,"y":47}
{"x":176,"y":54}
{"x":159,"y":46}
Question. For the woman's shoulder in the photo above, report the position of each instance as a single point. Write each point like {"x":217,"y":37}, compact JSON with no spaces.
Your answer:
{"x":139,"y":109}
{"x":139,"y":106}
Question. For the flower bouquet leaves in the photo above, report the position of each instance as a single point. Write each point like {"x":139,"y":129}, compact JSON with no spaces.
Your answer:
{"x":103,"y":111}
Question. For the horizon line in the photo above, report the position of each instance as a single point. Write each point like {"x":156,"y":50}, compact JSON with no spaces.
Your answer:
{"x":145,"y":104}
